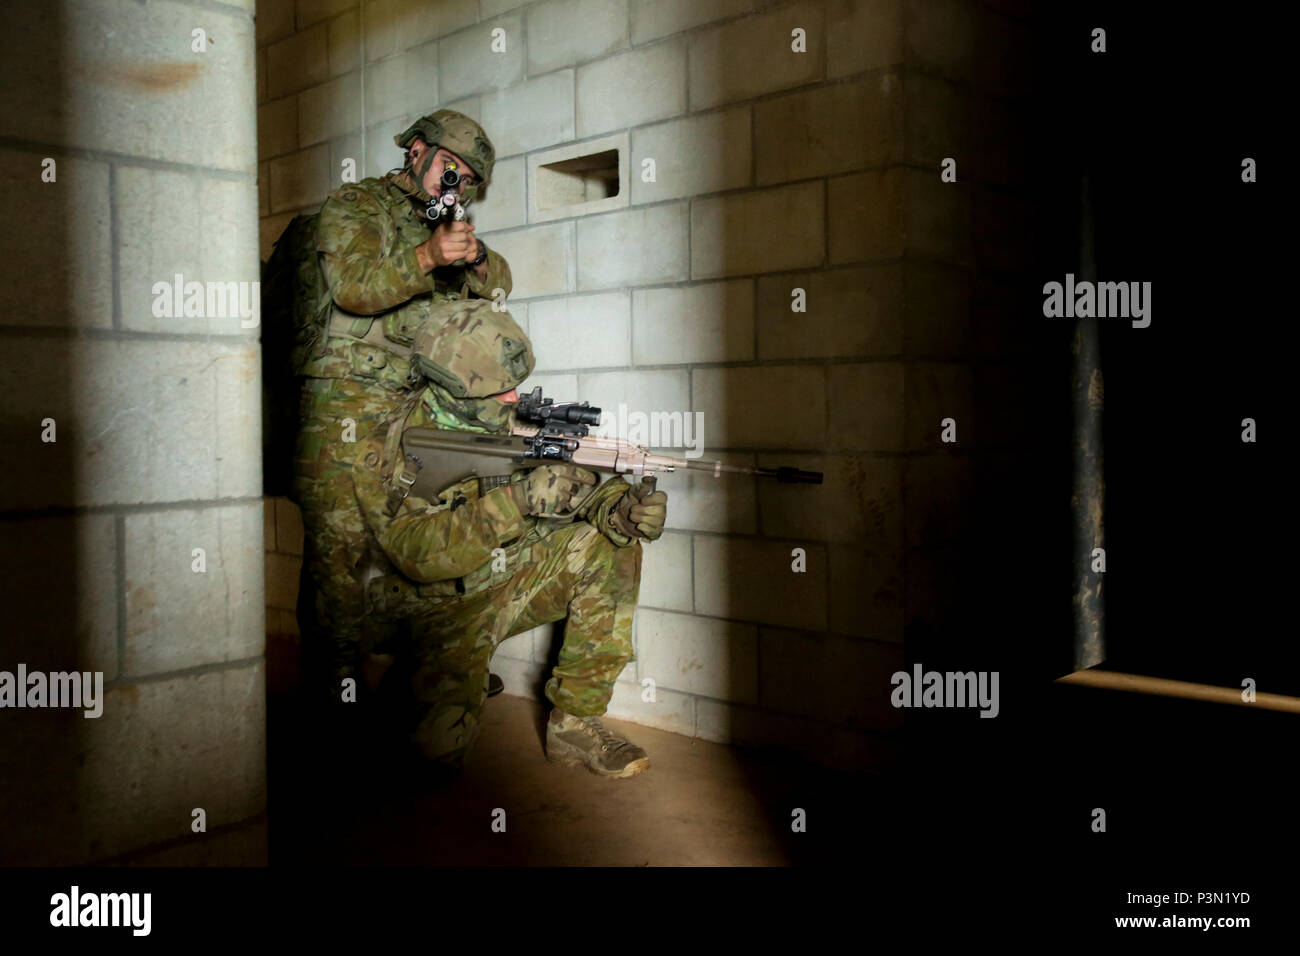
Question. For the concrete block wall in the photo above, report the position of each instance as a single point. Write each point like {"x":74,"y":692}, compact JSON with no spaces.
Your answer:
{"x":131,"y":439}
{"x":775,"y":170}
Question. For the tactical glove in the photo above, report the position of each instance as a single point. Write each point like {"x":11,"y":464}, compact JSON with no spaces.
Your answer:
{"x":638,"y":516}
{"x":553,"y":490}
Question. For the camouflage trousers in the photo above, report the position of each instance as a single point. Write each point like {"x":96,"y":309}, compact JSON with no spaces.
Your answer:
{"x":438,"y":684}
{"x":332,"y":609}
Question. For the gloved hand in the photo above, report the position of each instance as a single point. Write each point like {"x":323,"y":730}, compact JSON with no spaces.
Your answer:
{"x":552,"y":489}
{"x":640,"y":514}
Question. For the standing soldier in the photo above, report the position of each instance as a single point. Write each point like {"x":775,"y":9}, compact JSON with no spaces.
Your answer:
{"x":370,"y":274}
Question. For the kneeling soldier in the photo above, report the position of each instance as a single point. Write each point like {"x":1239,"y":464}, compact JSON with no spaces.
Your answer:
{"x":472,"y":559}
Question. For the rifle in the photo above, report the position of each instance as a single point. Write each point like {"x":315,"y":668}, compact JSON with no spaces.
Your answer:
{"x":542,"y":432}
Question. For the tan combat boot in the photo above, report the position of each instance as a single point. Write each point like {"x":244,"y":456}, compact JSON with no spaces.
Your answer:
{"x":586,"y":742}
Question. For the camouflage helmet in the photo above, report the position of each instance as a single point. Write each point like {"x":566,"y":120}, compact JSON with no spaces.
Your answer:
{"x":461,"y":135}
{"x":472,"y":351}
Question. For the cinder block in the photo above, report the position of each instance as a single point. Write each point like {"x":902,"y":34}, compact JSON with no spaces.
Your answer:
{"x":71,"y":290}
{"x":866,"y":407}
{"x":657,"y":18}
{"x":752,"y":580}
{"x":934,"y":391}
{"x":849,"y":312}
{"x":940,"y":36}
{"x":589,"y":331}
{"x":470,"y":64}
{"x":298,"y":62}
{"x":866,"y":598}
{"x":697,"y":501}
{"x":344,"y":42}
{"x":938,"y":310}
{"x":210,"y":244}
{"x":345,"y":148}
{"x":311,"y":11}
{"x":776,"y":406}
{"x":541,"y":258}
{"x":522,"y":678}
{"x":332,"y":109}
{"x":938,"y":218}
{"x":710,"y":322}
{"x":274,"y":20}
{"x":743,"y":726}
{"x":138,"y":89}
{"x":938,"y":124}
{"x":277,"y":127}
{"x":830,"y":129}
{"x":382,"y":153}
{"x":207,"y":390}
{"x":402,"y":85}
{"x":732,"y":234}
{"x":754,"y":55}
{"x":179,"y":618}
{"x":568,"y":32}
{"x":288,"y":527}
{"x":866,"y":215}
{"x":65,"y":619}
{"x":131,"y":778}
{"x":666,"y":571}
{"x":531,"y":115}
{"x":669,"y":710}
{"x":490,"y":8}
{"x":300,"y":179}
{"x":562,"y":388}
{"x":861,"y":499}
{"x":395,"y":25}
{"x":693,"y":156}
{"x":940,"y":494}
{"x":632,"y":88}
{"x":261,"y":74}
{"x":863,"y":35}
{"x":641,"y":393}
{"x":268,"y":523}
{"x":517,"y":648}
{"x":697,"y":655}
{"x":634,"y":247}
{"x":841,"y":680}
{"x":502,"y":204}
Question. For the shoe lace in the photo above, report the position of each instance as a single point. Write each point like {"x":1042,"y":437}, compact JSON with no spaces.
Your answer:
{"x":606,"y":736}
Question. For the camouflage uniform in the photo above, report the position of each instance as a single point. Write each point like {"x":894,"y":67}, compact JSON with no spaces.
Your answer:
{"x":441,"y":575}
{"x":370,"y":295}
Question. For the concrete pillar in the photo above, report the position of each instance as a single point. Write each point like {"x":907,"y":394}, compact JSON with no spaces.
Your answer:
{"x":130,"y":509}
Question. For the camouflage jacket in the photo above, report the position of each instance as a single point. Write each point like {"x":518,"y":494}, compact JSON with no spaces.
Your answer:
{"x":449,"y":543}
{"x":366,"y":237}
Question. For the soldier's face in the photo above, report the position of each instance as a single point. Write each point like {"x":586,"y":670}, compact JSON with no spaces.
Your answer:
{"x":441,"y":157}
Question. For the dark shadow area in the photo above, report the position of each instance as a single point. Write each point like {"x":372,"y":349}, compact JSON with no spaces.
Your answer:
{"x":45,"y":539}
